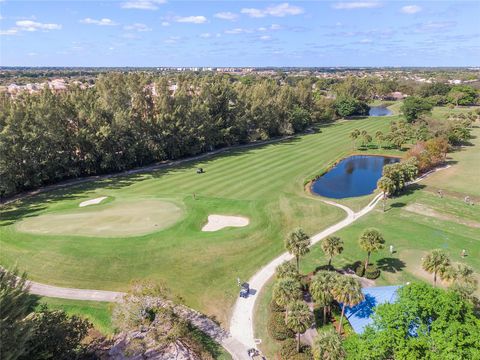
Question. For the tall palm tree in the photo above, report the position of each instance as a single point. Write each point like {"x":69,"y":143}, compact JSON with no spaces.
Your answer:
{"x":299,"y":319}
{"x":297,"y":244}
{"x":286,"y":291}
{"x":371,"y":240}
{"x":328,"y":346}
{"x":354,"y":136}
{"x":332,"y":246}
{"x":286,"y":270}
{"x":435,"y":262}
{"x":347,"y":291}
{"x":387,"y":186}
{"x":379,"y":137}
{"x":321,"y":289}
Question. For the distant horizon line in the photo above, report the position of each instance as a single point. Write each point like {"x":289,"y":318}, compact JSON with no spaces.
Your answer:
{"x":473,"y":67}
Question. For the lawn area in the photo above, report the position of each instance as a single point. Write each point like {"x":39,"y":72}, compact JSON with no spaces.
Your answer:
{"x":263,"y":183}
{"x":98,"y":313}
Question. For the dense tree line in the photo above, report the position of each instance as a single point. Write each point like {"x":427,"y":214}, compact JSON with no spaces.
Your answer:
{"x":130,"y":120}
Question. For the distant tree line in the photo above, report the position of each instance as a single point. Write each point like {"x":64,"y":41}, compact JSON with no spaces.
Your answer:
{"x":135,"y":119}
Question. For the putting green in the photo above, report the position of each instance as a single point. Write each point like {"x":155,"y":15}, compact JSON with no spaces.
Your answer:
{"x":125,"y":218}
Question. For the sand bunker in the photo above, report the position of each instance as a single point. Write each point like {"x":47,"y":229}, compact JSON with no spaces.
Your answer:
{"x":92,"y":201}
{"x":118,"y":218}
{"x":218,"y":222}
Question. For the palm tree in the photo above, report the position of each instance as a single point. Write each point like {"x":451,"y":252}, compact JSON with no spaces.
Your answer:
{"x":286,"y":270}
{"x":299,"y":319}
{"x":387,"y":186}
{"x":328,"y":346}
{"x":435,"y":262}
{"x":371,"y":240}
{"x":354,"y":135}
{"x":321,"y":290}
{"x":347,"y":291}
{"x":286,"y":291}
{"x":297,"y":244}
{"x":465,"y":275}
{"x":332,"y":246}
{"x":379,"y":137}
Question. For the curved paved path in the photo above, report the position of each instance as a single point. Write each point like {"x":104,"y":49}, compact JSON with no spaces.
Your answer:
{"x":236,"y":349}
{"x":241,"y":323}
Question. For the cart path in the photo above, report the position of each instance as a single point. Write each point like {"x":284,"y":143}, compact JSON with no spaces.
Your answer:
{"x":241,"y":322}
{"x":236,"y":349}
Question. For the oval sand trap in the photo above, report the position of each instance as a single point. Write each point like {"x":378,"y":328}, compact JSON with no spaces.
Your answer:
{"x":118,"y":218}
{"x":93,"y":201}
{"x":218,"y":222}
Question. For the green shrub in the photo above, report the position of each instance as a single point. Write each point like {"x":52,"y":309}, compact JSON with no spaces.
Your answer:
{"x":288,"y":349}
{"x":277,"y":328}
{"x":360,"y":269}
{"x":274,"y":307}
{"x":372,"y":272}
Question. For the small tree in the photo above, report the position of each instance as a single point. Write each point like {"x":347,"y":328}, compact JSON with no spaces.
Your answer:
{"x":379,"y":137}
{"x":387,"y":186}
{"x":435,"y":262}
{"x":297,"y":244}
{"x":15,"y":305}
{"x":286,"y":291}
{"x":328,"y":346}
{"x":347,"y":291}
{"x":321,"y":290}
{"x":354,"y":136}
{"x":299,"y":319}
{"x":413,"y":107}
{"x":287,"y":269}
{"x":332,"y":246}
{"x":371,"y":240}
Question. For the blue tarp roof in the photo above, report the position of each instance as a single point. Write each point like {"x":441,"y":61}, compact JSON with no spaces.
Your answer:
{"x":360,"y":315}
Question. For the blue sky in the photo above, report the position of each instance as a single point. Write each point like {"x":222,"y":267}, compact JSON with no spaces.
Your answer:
{"x":239,"y":33}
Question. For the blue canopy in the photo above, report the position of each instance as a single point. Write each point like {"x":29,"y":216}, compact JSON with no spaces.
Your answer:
{"x":360,"y":315}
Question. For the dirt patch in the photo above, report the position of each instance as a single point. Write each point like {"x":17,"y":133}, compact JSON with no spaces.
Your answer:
{"x":118,"y":218}
{"x":424,"y":210}
{"x":92,"y":201}
{"x":218,"y":222}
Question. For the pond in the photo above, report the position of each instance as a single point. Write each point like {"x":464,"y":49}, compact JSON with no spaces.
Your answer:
{"x":379,"y":111}
{"x":353,"y":176}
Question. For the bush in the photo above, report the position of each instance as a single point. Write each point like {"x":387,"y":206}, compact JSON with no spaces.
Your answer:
{"x":288,"y":351}
{"x":372,"y":272}
{"x":274,"y":307}
{"x":277,"y":328}
{"x":360,"y":269}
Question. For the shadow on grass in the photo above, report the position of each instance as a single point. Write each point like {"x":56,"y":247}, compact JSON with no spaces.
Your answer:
{"x":391,"y":265}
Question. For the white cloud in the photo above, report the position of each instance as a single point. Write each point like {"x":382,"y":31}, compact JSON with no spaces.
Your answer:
{"x":275,"y":27}
{"x":32,"y":54}
{"x":238,"y":31}
{"x":226,"y":15}
{"x":279,"y":10}
{"x":137,"y":27}
{"x":205,"y":35}
{"x":265,"y":37}
{"x":12,"y":31}
{"x":101,"y":22}
{"x":29,"y":25}
{"x":192,"y":19}
{"x":411,"y":9}
{"x":172,"y":40}
{"x":366,"y":41}
{"x":143,"y":4}
{"x":165,"y":23}
{"x":357,"y":5}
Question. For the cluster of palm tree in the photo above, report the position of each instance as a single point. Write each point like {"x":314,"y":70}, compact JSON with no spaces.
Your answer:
{"x":461,"y":277}
{"x":325,"y":288}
